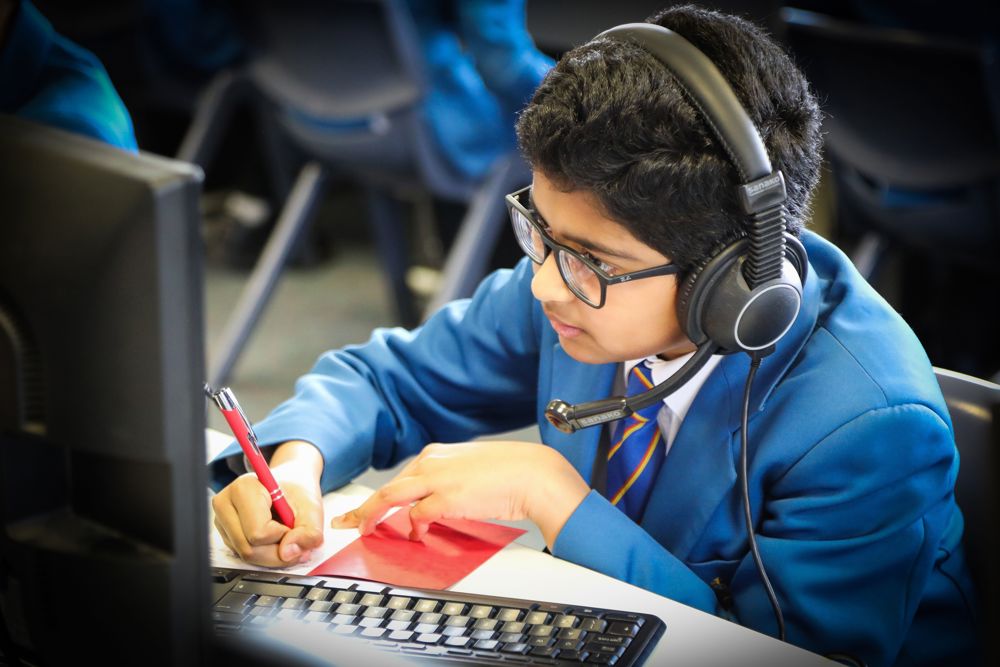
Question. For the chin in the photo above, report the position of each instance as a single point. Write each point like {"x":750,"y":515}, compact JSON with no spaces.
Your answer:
{"x":588,"y":353}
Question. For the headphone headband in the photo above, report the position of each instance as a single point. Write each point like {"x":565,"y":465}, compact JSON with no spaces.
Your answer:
{"x":708,"y":90}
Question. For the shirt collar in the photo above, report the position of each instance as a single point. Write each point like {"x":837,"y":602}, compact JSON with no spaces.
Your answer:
{"x":660,"y":369}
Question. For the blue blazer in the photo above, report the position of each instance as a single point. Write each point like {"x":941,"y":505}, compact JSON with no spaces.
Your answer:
{"x":852,"y":460}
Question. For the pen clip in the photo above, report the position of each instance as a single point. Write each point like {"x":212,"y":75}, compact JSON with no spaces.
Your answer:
{"x":225,"y":399}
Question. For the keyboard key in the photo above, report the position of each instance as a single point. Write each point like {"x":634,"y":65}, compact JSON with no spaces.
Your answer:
{"x":319,"y":594}
{"x":403,"y":615}
{"x":346,"y":629}
{"x":458,"y":621}
{"x":426,"y":628}
{"x":609,"y":640}
{"x":517,"y":648}
{"x":455,"y":632}
{"x":430,"y":617}
{"x":276,"y":590}
{"x":482,"y":634}
{"x":222,"y":575}
{"x":542,"y":631}
{"x":627,"y":618}
{"x":227,"y":617}
{"x":371,"y":587}
{"x":401,"y":635}
{"x":320,"y":605}
{"x":398,"y":625}
{"x":371,"y":600}
{"x":568,"y":644}
{"x":345,"y":597}
{"x":508,"y":614}
{"x":373,"y":633}
{"x":371,"y":622}
{"x":425,"y":605}
{"x":486,"y":624}
{"x":343,"y":619}
{"x":567,"y":654}
{"x":396,"y":602}
{"x":536,"y":618}
{"x":289,"y":613}
{"x":624,"y":629}
{"x":429,"y":638}
{"x":266,"y":601}
{"x":514,"y":626}
{"x":591,"y":624}
{"x":233,"y":602}
{"x":453,"y":608}
{"x":544,"y":651}
{"x":601,"y":659}
{"x":295,"y":603}
{"x":540,"y":641}
{"x":352,"y":609}
{"x":511,"y":637}
{"x":376,"y":612}
{"x":487,"y":644}
{"x":565,"y":621}
{"x":272,"y":577}
{"x":458,"y":642}
{"x":481,"y":611}
{"x":571,"y":633}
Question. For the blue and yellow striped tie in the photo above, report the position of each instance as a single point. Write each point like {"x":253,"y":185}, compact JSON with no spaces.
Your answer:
{"x":636,"y":452}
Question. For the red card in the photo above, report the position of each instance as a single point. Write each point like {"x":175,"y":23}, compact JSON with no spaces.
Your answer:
{"x":450,"y":550}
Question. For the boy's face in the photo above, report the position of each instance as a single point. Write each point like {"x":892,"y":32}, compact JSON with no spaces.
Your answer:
{"x":639,"y":319}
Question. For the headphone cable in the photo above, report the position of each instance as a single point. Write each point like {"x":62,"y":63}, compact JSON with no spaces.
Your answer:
{"x":754,"y":365}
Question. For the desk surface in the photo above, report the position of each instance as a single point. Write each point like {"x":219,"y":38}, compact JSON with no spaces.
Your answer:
{"x":521,"y":571}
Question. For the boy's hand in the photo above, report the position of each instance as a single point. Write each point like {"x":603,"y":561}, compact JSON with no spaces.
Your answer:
{"x":243,"y":510}
{"x":478,"y":480}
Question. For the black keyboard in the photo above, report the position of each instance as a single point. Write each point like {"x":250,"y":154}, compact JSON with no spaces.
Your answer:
{"x":434,"y":626}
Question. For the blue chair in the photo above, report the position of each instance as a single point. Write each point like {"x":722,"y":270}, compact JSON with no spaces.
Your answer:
{"x":338,"y":88}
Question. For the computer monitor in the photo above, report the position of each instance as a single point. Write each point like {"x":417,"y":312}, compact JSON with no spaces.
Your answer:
{"x":103,"y":552}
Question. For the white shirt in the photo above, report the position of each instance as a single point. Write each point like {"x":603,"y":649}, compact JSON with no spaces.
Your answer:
{"x":677,"y":404}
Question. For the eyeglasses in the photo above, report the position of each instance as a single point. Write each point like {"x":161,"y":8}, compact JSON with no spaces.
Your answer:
{"x":587,"y":277}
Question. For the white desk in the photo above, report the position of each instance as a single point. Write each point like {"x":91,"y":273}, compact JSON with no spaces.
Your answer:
{"x":692,"y":637}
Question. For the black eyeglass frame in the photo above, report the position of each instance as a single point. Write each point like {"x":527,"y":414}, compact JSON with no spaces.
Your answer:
{"x":514,"y":201}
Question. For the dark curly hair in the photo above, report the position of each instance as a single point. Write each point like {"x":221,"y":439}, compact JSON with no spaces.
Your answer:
{"x":611,"y":119}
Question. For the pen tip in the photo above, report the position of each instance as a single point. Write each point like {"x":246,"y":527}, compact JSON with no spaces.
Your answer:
{"x":208,"y":391}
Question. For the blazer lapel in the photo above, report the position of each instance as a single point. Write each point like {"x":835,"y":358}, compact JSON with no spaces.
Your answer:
{"x":575,"y":382}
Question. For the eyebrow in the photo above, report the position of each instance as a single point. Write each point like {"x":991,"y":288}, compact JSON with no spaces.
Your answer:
{"x":582,"y":242}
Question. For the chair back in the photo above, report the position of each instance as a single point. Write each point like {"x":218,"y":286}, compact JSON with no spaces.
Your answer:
{"x":974,"y":406}
{"x":346,"y":82}
{"x":911,"y":130}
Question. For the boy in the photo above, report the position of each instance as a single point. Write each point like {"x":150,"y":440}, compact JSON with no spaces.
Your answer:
{"x":851,"y":459}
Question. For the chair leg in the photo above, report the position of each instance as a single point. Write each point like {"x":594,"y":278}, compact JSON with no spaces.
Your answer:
{"x":294,"y":219}
{"x":478,"y":233}
{"x":393,"y":249}
{"x":211,"y":117}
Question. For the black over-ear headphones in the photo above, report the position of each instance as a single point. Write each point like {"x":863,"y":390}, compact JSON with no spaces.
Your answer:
{"x":746,"y":296}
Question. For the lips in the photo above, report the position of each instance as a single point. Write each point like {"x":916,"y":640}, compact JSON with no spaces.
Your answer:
{"x":564,"y":330}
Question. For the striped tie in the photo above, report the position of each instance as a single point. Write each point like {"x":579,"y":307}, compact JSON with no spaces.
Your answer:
{"x":636,"y":453}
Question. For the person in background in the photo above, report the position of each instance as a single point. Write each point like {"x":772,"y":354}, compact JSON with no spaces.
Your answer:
{"x":483,"y":67}
{"x":46,"y":78}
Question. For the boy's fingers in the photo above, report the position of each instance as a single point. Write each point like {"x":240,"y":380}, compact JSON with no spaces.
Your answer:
{"x":400,"y":491}
{"x":252,"y":504}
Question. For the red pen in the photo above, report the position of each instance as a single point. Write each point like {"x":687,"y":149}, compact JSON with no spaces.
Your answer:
{"x":240,"y":425}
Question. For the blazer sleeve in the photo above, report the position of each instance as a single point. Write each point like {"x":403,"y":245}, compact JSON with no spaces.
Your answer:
{"x":848,"y":534}
{"x":470,"y":370}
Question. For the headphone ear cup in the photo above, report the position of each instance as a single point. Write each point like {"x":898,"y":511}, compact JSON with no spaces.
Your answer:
{"x":715,"y":303}
{"x":691,"y":296}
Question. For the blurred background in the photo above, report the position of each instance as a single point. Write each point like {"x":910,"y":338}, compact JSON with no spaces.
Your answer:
{"x":325,"y":133}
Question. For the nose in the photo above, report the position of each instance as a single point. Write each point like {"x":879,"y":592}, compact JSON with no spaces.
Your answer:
{"x":547,"y":285}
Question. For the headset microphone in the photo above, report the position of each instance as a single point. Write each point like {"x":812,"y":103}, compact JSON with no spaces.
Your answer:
{"x":569,"y":418}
